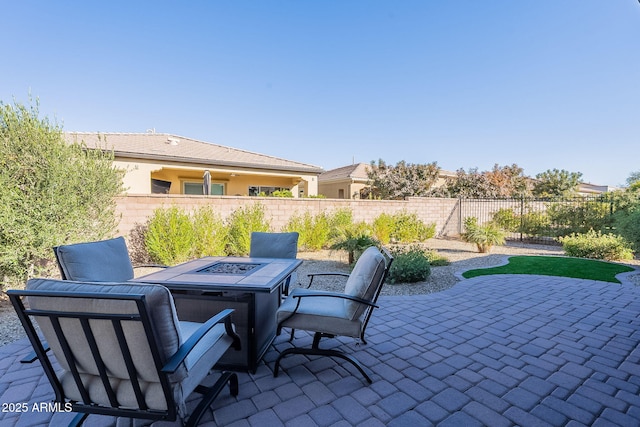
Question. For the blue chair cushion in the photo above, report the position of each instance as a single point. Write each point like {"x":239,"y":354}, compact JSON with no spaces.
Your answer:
{"x":274,"y":245}
{"x":102,"y":261}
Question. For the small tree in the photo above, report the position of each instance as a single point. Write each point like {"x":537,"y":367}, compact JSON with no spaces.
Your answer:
{"x":556,"y":183}
{"x":400,"y":181}
{"x":634,"y":181}
{"x":509,"y":181}
{"x":501,"y":181}
{"x":471,"y":184}
{"x":51,"y":192}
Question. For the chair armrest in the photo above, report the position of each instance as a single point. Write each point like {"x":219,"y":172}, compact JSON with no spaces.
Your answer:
{"x":224,"y":316}
{"x":334,"y":295}
{"x":313,"y":275}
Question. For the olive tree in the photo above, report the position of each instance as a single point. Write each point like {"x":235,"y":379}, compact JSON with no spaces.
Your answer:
{"x":51,"y":192}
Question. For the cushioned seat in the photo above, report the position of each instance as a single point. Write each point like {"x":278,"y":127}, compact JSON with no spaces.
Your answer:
{"x":329,"y":314}
{"x":274,"y":245}
{"x":101,"y":261}
{"x":122,"y":349}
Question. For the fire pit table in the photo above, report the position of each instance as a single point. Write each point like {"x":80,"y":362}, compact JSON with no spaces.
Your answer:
{"x":251,"y":286}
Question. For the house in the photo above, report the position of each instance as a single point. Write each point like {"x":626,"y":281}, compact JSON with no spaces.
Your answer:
{"x":588,"y":189}
{"x":166,"y":163}
{"x":346,"y":182}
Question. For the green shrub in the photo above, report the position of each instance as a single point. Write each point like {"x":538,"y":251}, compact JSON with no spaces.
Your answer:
{"x":484,"y":236}
{"x":626,"y":217}
{"x":506,"y":219}
{"x":578,"y":217}
{"x":596,"y":245}
{"x":210,"y":233}
{"x":535,"y":224}
{"x":340,"y":223}
{"x":240,"y":224}
{"x":322,"y":230}
{"x":328,"y":229}
{"x":313,"y":231}
{"x":382,"y":227}
{"x":408,"y":228}
{"x":170,"y":236}
{"x":282,"y":193}
{"x":409,"y":265}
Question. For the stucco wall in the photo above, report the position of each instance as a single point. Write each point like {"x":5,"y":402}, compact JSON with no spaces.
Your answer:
{"x":235,"y":180}
{"x":135,"y":209}
{"x":332,"y":190}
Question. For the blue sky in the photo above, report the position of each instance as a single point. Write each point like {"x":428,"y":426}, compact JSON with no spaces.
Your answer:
{"x":541,"y":83}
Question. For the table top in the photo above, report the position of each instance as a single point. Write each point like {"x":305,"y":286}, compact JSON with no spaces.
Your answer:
{"x":225,"y":273}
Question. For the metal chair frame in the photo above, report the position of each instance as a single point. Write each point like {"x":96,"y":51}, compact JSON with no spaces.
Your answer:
{"x":87,"y":406}
{"x":315,"y":347}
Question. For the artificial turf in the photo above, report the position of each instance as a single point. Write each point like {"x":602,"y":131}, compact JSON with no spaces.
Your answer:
{"x":579,"y":268}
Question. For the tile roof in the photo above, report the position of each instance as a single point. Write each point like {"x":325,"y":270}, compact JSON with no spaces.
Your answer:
{"x":357,"y":171}
{"x":168,"y":147}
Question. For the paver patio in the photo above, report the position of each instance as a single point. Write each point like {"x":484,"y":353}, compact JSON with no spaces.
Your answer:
{"x":493,"y":350}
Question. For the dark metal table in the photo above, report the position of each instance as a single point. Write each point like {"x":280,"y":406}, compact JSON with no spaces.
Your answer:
{"x":251,"y":286}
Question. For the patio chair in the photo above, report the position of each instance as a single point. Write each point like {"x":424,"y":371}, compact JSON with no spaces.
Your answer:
{"x":121,"y":349}
{"x":276,"y":245}
{"x":330,"y":314}
{"x":101,"y":261}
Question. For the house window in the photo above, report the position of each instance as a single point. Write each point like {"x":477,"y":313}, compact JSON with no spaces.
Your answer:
{"x":159,"y":186}
{"x":196,"y":188}
{"x":341,"y":193}
{"x":261,"y":190}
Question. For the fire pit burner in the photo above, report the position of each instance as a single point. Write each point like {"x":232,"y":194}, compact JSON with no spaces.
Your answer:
{"x":242,"y":268}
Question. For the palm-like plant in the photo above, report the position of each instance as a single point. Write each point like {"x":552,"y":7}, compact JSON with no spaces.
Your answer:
{"x":484,"y":236}
{"x":354,"y":242}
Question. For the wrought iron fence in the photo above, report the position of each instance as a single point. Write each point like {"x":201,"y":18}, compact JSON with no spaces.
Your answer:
{"x":540,"y":220}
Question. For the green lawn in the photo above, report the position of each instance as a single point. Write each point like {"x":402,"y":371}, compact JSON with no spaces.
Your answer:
{"x":579,"y":268}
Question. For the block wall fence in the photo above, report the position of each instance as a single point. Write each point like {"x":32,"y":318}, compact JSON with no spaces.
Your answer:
{"x":136,"y":209}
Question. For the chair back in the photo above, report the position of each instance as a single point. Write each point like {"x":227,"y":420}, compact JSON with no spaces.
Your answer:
{"x":366,"y":281}
{"x":274,"y":245}
{"x":101,"y":261}
{"x":111,"y":341}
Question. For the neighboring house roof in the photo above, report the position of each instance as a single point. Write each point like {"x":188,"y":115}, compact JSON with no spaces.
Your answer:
{"x":358,"y":172}
{"x":355,"y":172}
{"x":168,"y":147}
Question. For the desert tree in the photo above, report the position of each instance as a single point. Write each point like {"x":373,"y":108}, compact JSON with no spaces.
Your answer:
{"x":51,"y":191}
{"x":556,"y":183}
{"x":400,"y":181}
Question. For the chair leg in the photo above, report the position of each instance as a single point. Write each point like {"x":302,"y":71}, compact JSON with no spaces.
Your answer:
{"x":321,"y":352}
{"x":211,"y":394}
{"x":78,"y":420}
